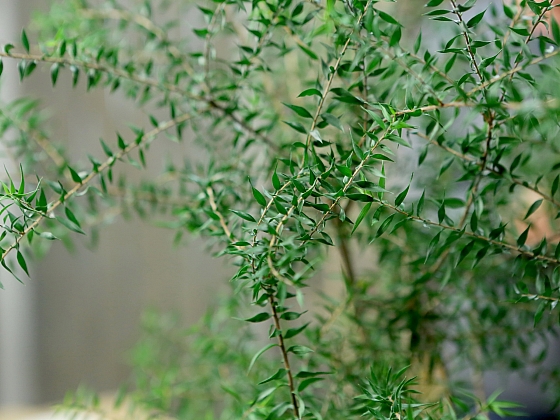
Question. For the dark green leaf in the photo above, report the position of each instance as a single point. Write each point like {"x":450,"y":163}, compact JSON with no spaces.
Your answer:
{"x":278,"y":375}
{"x":361,"y":216}
{"x":299,"y":350}
{"x":310,"y":92}
{"x":533,"y":208}
{"x":475,"y":20}
{"x":523,"y":237}
{"x":302,"y":112}
{"x":54,"y":73}
{"x":22,"y":263}
{"x":263,"y":316}
{"x":388,"y":18}
{"x":296,"y":126}
{"x":384,"y":226}
{"x":244,"y":215}
{"x":292,"y":332}
{"x":258,"y":196}
{"x":259,"y":354}
{"x":75,"y":177}
{"x":70,"y":225}
{"x":24,"y":40}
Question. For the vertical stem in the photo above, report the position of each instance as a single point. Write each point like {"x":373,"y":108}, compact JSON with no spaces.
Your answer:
{"x":284,"y":355}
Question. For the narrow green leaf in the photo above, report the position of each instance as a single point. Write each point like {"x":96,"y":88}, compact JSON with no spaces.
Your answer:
{"x":75,"y":75}
{"x":555,"y":184}
{"x":1,"y":66}
{"x":420,"y":205}
{"x":388,"y":18}
{"x":54,"y":73}
{"x":441,"y":212}
{"x":290,"y":316}
{"x":310,"y":92}
{"x":292,"y":332}
{"x":400,"y":198}
{"x":259,"y":354}
{"x":306,"y":382}
{"x":465,"y":251}
{"x":533,"y":208}
{"x":243,"y":215}
{"x":263,"y":316}
{"x":106,"y":148}
{"x":432,"y":245}
{"x":71,"y":216}
{"x":258,"y":196}
{"x":120,"y":142}
{"x":306,"y":374}
{"x":276,"y":181}
{"x":22,"y":263}
{"x":302,"y":112}
{"x":523,"y":237}
{"x":299,"y":350}
{"x":75,"y":177}
{"x":332,"y":120}
{"x":70,"y":225}
{"x":555,"y":30}
{"x":278,"y":375}
{"x":361,"y":216}
{"x":47,"y":235}
{"x":539,"y":312}
{"x":384,"y":226}
{"x":24,"y":40}
{"x":296,"y":126}
{"x":475,"y":20}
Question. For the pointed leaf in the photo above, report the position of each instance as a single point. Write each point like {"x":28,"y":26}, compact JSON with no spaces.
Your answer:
{"x":259,"y":354}
{"x":533,"y":208}
{"x":24,"y":40}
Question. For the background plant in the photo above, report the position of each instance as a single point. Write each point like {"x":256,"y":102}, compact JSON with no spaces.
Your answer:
{"x":430,"y":166}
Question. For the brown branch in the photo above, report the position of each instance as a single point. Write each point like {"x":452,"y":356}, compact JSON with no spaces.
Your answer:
{"x":285,"y":358}
{"x":214,"y":206}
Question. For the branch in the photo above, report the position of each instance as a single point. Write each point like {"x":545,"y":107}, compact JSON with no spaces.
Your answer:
{"x":499,"y":77}
{"x":214,"y":207}
{"x":332,"y":76}
{"x":284,"y":355}
{"x":166,"y":87}
{"x":494,"y":242}
{"x":146,"y":139}
{"x":467,"y":158}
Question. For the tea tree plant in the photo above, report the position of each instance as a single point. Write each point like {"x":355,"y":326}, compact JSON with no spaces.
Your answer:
{"x":430,"y":165}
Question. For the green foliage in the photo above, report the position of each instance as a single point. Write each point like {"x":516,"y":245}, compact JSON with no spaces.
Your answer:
{"x":313,"y":120}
